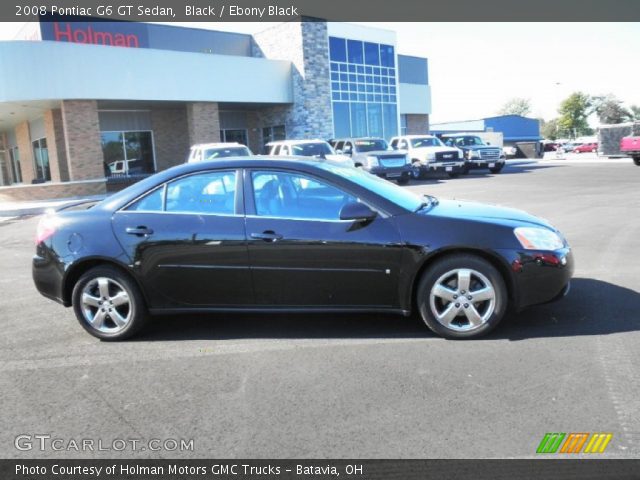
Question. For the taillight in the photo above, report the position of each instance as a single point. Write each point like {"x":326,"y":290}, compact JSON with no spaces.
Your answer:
{"x":46,"y":228}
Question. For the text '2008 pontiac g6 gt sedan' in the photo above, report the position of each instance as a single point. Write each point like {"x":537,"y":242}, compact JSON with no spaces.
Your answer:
{"x":294,"y":235}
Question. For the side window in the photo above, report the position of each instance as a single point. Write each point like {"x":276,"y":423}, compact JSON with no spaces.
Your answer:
{"x":275,"y":150}
{"x":338,"y":145}
{"x":290,"y":195}
{"x":208,"y":193}
{"x":151,"y":202}
{"x":402,"y":144}
{"x":348,"y":148}
{"x":284,"y":150}
{"x":394,"y":143}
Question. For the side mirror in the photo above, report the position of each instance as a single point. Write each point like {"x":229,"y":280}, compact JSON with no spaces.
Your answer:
{"x":488,"y":143}
{"x":358,"y":212}
{"x":338,"y":152}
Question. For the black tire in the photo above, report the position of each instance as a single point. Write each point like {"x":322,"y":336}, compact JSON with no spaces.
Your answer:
{"x":491,"y":311}
{"x":133,"y":311}
{"x":453,"y":174}
{"x":418,"y":173}
{"x":403,"y":180}
{"x":636,"y":160}
{"x":466,"y":169}
{"x":497,"y":169}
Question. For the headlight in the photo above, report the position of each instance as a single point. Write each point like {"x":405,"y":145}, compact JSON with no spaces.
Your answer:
{"x":533,"y":238}
{"x":372,"y":161}
{"x":474,"y":155}
{"x":430,"y":156}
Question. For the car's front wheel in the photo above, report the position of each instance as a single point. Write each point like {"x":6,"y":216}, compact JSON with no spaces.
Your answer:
{"x":497,"y":168}
{"x":636,"y":160}
{"x":108,"y":304}
{"x":461,"y":296}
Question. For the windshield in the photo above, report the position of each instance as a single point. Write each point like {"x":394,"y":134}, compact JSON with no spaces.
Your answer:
{"x":425,"y":142}
{"x":214,"y":153}
{"x":371,"y":145}
{"x":315,"y":149}
{"x":400,"y":196}
{"x":467,"y":141}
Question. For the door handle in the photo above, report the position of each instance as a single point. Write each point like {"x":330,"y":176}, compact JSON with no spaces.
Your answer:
{"x":268,"y":236}
{"x":139,"y":230}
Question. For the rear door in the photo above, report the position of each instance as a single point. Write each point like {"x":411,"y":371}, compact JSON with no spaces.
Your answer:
{"x":187,"y":242}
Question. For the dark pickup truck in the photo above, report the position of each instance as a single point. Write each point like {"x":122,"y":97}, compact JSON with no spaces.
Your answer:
{"x":477,"y":154}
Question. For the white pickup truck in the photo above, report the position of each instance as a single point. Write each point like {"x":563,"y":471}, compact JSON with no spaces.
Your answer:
{"x":428,"y":154}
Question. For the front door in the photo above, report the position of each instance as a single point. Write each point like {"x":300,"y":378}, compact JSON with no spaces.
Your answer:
{"x":187,"y":242}
{"x":302,"y":254}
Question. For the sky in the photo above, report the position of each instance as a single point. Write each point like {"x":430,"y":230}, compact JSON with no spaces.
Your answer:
{"x":474,"y":68}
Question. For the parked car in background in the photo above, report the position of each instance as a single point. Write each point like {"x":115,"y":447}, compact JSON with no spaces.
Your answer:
{"x":569,"y":147}
{"x":296,"y":235}
{"x":477,"y":153}
{"x":307,"y":148}
{"x":631,"y":146}
{"x":125,"y":167}
{"x":203,"y":152}
{"x":586,"y":147}
{"x":510,"y":151}
{"x":375,"y":156}
{"x":428,"y":154}
{"x":550,"y":146}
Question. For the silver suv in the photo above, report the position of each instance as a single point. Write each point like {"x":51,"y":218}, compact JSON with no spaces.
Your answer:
{"x":307,"y":148}
{"x":429,"y":154}
{"x":375,"y":156}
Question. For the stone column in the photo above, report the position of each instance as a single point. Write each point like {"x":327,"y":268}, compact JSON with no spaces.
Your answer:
{"x":203,"y":122}
{"x":25,"y":151}
{"x":55,"y":144}
{"x":82,"y":139}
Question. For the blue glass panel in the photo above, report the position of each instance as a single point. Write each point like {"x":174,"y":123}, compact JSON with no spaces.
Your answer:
{"x":369,"y":70}
{"x":344,"y":77}
{"x":335,"y":76}
{"x":369,"y":79}
{"x":376,"y":71}
{"x":345,"y":96}
{"x":354,"y":48}
{"x":335,"y":96}
{"x":344,"y":86}
{"x":352,"y":68}
{"x":337,"y":49}
{"x":383,"y":71}
{"x":390,"y":116}
{"x":387,"y":56}
{"x":376,"y":88}
{"x":359,"y":69}
{"x":392,"y":72}
{"x":374,"y":117}
{"x":385,"y":98}
{"x":371,"y":54}
{"x":353,"y":96}
{"x":377,"y":98}
{"x":393,"y":89}
{"x":341,"y":121}
{"x":369,"y":88}
{"x":344,"y":67}
{"x":385,"y":89}
{"x":361,"y":88}
{"x":359,"y":119}
{"x":393,"y":99}
{"x":361,"y":97}
{"x":352,"y":77}
{"x":335,"y":86}
{"x":334,"y":67}
{"x":361,"y":78}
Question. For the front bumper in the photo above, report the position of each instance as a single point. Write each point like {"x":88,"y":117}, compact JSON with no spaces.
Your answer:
{"x":484,"y":163}
{"x":391,"y":173}
{"x":448,"y":167}
{"x":539,"y":276}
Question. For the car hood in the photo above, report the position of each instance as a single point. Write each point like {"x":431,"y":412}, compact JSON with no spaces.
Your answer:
{"x":342,"y":159}
{"x":479,"y":147}
{"x":484,"y":212}
{"x":382,"y":153}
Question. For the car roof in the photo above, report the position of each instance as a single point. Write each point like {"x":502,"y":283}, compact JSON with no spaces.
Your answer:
{"x":428,"y":135}
{"x":217,"y":145}
{"x":461,"y":134}
{"x":355,"y":139}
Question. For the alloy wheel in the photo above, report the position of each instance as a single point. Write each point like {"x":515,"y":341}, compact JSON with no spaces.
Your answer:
{"x":462,"y":299}
{"x":106,"y":305}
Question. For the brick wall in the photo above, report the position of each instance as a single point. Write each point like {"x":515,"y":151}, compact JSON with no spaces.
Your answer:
{"x":25,"y":152}
{"x":417,"y":124}
{"x":203,"y":122}
{"x":170,"y":136}
{"x":305,"y":45}
{"x":82,"y":136}
{"x":46,"y":191}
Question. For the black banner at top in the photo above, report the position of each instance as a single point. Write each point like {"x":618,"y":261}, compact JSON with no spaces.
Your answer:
{"x":333,"y":10}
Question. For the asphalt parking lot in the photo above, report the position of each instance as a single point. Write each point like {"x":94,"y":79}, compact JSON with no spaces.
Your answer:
{"x":296,"y":386}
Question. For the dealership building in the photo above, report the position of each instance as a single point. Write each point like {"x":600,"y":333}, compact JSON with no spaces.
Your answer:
{"x":76,"y":97}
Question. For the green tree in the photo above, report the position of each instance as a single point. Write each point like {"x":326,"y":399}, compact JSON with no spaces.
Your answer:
{"x":574,"y":111}
{"x":610,"y":110}
{"x":549,"y":130}
{"x":516,"y":106}
{"x":635,"y":112}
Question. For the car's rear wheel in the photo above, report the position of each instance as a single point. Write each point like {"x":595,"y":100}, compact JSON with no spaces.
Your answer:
{"x":403,"y":180}
{"x":416,"y":171}
{"x":108,"y":304}
{"x":636,"y":160}
{"x":453,"y":174}
{"x":461,"y":296}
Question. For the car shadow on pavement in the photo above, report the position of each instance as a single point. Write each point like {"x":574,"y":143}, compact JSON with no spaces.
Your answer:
{"x":593,"y":307}
{"x":524,"y":167}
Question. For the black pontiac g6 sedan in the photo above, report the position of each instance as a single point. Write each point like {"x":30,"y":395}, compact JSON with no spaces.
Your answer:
{"x":294,"y":235}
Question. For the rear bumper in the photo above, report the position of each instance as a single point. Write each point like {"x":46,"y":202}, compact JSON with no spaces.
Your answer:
{"x":539,"y":276}
{"x":47,"y":277}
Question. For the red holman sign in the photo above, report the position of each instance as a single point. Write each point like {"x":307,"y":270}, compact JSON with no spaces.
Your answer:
{"x":117,"y":34}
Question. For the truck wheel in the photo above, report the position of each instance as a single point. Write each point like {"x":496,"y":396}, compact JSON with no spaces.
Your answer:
{"x":417,"y":172}
{"x":403,"y":180}
{"x":496,"y":169}
{"x":636,"y":160}
{"x":453,"y":174}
